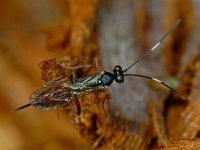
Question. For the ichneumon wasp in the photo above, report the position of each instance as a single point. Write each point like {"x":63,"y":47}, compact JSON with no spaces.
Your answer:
{"x":60,"y":93}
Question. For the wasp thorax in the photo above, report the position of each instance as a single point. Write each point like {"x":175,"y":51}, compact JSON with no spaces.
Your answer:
{"x":107,"y":78}
{"x":119,"y":74}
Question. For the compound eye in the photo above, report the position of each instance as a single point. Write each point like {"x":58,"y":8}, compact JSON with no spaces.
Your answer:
{"x":117,"y":69}
{"x":120,"y":79}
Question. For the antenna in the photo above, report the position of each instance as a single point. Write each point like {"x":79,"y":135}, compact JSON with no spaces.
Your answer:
{"x":155,"y":46}
{"x":159,"y":81}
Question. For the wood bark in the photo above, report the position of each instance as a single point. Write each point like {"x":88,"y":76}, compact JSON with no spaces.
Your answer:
{"x":140,"y":113}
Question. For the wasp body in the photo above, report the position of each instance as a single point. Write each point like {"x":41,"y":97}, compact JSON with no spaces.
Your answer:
{"x":59,"y":93}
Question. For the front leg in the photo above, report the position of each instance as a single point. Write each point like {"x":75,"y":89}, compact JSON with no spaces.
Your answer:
{"x":107,"y":97}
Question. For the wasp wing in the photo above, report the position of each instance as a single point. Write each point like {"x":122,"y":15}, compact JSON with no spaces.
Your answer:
{"x":51,"y":96}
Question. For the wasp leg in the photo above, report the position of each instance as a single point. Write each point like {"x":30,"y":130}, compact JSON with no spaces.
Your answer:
{"x":78,"y":107}
{"x":97,"y":142}
{"x":72,"y":107}
{"x":70,"y":76}
{"x":96,"y":63}
{"x":107,"y":97}
{"x":78,"y":111}
{"x":57,"y":81}
{"x":71,"y":67}
{"x":92,"y":60}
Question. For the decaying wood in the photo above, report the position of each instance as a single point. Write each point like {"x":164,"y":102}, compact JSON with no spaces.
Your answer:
{"x":174,"y":50}
{"x":191,"y":113}
{"x":136,"y":117}
{"x":139,"y":115}
{"x":180,"y":145}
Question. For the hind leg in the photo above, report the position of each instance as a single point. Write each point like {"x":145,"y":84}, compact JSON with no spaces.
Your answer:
{"x":71,"y":67}
{"x":76,"y":110}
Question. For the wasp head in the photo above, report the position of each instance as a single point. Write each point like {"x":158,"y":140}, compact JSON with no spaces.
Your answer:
{"x":118,"y":74}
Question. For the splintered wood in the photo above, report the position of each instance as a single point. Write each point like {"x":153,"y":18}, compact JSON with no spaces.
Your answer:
{"x":76,"y":37}
{"x":192,"y":112}
{"x":75,"y":33}
{"x":174,"y":50}
{"x":181,"y":145}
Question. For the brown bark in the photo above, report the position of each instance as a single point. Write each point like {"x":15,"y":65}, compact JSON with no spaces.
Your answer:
{"x":140,"y":114}
{"x":135,"y":116}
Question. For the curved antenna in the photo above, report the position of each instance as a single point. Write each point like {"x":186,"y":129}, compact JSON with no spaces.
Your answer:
{"x":155,"y":46}
{"x":159,"y":81}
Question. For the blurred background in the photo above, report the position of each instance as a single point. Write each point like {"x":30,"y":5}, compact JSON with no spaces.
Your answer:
{"x":22,"y":47}
{"x":24,"y":26}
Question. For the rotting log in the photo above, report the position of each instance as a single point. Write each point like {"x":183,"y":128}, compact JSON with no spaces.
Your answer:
{"x":117,"y":32}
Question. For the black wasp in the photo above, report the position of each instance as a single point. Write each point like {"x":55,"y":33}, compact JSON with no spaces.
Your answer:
{"x":60,"y":93}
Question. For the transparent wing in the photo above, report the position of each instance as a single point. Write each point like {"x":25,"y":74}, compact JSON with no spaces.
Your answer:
{"x":51,"y":96}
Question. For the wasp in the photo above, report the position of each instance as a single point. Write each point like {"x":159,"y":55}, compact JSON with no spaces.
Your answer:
{"x":60,"y":93}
